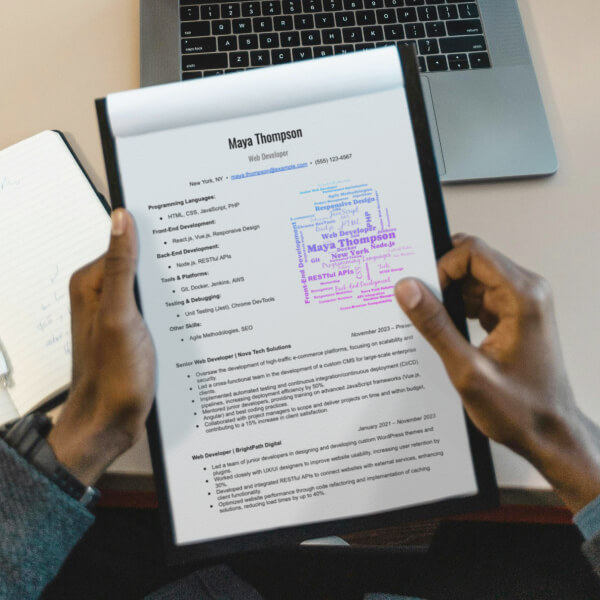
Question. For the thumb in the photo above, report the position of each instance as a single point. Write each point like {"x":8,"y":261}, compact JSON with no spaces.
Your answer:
{"x":120,"y":262}
{"x":429,"y":316}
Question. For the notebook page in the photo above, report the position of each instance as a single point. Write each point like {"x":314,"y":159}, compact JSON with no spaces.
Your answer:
{"x":51,"y":224}
{"x":8,"y":412}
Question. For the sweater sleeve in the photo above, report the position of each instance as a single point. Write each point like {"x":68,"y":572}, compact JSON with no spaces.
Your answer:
{"x":588,"y":522}
{"x":39,"y":525}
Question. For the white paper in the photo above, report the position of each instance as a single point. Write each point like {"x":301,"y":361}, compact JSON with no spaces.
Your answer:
{"x":8,"y":412}
{"x":291,"y":387}
{"x":176,"y":105}
{"x":51,"y":223}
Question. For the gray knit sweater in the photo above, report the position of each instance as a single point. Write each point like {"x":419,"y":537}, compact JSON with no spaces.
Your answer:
{"x":39,"y":526}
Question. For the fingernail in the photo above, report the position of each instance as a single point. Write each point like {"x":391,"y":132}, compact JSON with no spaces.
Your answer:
{"x":118,"y":219}
{"x":408,"y":294}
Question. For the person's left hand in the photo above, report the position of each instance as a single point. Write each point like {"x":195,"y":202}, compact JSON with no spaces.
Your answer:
{"x":113,"y":361}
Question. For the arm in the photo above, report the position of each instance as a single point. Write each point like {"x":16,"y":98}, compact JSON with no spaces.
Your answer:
{"x":111,"y":395}
{"x":514,"y":386}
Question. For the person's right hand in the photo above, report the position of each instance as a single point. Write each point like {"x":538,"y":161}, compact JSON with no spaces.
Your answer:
{"x":514,"y":386}
{"x":113,"y":361}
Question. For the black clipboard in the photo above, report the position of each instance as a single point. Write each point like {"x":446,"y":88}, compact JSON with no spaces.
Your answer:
{"x":487,"y":496}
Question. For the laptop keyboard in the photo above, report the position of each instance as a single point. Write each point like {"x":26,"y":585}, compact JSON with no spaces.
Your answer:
{"x":231,"y":36}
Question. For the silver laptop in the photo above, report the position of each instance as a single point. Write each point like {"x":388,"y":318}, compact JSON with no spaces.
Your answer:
{"x":485,"y":110}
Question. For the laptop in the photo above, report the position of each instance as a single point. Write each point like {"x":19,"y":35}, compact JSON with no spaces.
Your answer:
{"x":484,"y":106}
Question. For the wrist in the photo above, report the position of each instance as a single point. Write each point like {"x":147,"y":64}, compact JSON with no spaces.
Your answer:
{"x":28,"y":437}
{"x":567,"y":454}
{"x":85,"y":450}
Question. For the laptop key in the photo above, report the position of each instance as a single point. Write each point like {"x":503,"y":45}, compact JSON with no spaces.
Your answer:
{"x":260,"y":58}
{"x":448,"y":12}
{"x":269,"y":40}
{"x":197,"y":29}
{"x":458,"y":62}
{"x":332,"y":5}
{"x":200,"y":62}
{"x":409,"y":44}
{"x":221,"y":27}
{"x":406,"y":15}
{"x":290,"y":38}
{"x":324,"y":20}
{"x":241,"y":25}
{"x":465,"y":27}
{"x":249,"y":42}
{"x":189,"y":13}
{"x":366,"y":46}
{"x":332,"y":36}
{"x":437,"y":63}
{"x":301,"y":53}
{"x":312,"y":6}
{"x":210,"y":11}
{"x":283,"y":23}
{"x":471,"y":43}
{"x":262,"y":24}
{"x":291,"y":7}
{"x":321,"y":51}
{"x":353,"y":35}
{"x":394,"y":32}
{"x":227,"y":42}
{"x":280,"y":56}
{"x":304,"y":22}
{"x":239,"y":59}
{"x":394,"y":3}
{"x":273,"y":7}
{"x":436,"y":29}
{"x":373,"y":3}
{"x":386,"y":16}
{"x":198,"y":45}
{"x":211,"y":73}
{"x":311,"y":38}
{"x":353,"y":4}
{"x":414,"y":2}
{"x":230,"y":10}
{"x":427,"y":13}
{"x":373,"y":34}
{"x":250,"y":9}
{"x":414,"y":30}
{"x":479,"y":60}
{"x":343,"y":49}
{"x":428,"y":47}
{"x":345,"y":19}
{"x":468,"y":11}
{"x":365,"y":17}
{"x":191,"y":75}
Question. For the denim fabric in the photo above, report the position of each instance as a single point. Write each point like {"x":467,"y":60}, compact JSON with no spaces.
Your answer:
{"x":588,"y":519}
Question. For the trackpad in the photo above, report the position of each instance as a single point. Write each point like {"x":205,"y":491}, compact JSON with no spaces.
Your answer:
{"x":433,"y":128}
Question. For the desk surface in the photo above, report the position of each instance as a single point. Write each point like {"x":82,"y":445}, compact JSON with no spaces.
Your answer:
{"x":59,"y":56}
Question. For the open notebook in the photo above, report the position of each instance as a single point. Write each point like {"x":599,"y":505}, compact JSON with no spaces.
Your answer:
{"x":52,"y":222}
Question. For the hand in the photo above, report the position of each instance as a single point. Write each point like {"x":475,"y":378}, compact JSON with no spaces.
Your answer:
{"x":113,"y":361}
{"x":514,"y":387}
